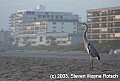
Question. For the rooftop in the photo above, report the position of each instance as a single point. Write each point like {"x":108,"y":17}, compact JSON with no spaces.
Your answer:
{"x":103,"y":9}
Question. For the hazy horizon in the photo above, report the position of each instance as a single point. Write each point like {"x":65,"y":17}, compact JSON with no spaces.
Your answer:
{"x":8,"y":7}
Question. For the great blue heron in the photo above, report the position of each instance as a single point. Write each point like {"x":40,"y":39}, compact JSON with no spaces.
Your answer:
{"x":90,"y":48}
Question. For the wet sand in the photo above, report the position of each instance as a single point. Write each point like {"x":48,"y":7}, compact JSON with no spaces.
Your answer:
{"x":15,"y":68}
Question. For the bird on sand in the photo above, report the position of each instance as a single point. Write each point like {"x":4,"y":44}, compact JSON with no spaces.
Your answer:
{"x":90,"y":47}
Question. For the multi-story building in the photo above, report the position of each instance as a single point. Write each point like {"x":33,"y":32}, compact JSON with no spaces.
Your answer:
{"x":104,"y":24}
{"x":25,"y":24}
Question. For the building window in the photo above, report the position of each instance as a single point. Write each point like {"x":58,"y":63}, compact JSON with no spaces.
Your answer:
{"x":64,"y":42}
{"x":62,"y":31}
{"x":74,"y":23}
{"x":32,"y":28}
{"x":58,"y":36}
{"x":36,"y":28}
{"x":52,"y":16}
{"x":47,"y":38}
{"x":47,"y":42}
{"x":35,"y":32}
{"x":41,"y":39}
{"x":57,"y":17}
{"x":43,"y":23}
{"x":28,"y":32}
{"x":43,"y":27}
{"x":62,"y":23}
{"x":33,"y":37}
{"x":39,"y":15}
{"x":33,"y":42}
{"x":54,"y":27}
{"x":69,"y":38}
{"x":54,"y":23}
{"x":61,"y":27}
{"x":32,"y":32}
{"x":44,"y":16}
{"x":48,"y":16}
{"x":74,"y":31}
{"x":74,"y":27}
{"x":64,"y":37}
{"x":29,"y":12}
{"x":54,"y":30}
{"x":35,"y":18}
{"x":61,"y":17}
{"x":58,"y":42}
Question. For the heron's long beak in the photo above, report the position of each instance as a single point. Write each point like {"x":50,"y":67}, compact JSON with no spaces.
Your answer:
{"x":83,"y":24}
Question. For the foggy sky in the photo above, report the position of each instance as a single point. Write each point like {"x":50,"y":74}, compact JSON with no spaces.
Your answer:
{"x":7,"y":7}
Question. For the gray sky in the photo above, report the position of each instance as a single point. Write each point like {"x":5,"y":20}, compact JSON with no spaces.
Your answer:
{"x":7,"y":7}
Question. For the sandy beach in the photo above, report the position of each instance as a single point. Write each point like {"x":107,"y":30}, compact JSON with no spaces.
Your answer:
{"x":20,"y":68}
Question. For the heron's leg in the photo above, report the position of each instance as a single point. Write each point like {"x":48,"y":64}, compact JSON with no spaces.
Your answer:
{"x":90,"y":62}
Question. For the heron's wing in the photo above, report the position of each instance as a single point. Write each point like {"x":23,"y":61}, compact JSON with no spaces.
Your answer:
{"x":93,"y":51}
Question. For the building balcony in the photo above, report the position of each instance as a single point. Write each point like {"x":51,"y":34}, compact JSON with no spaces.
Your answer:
{"x":104,"y":21}
{"x":89,"y":15}
{"x":100,"y":15}
{"x":114,"y":13}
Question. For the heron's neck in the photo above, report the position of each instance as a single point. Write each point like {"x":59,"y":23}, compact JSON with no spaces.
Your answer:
{"x":85,"y":32}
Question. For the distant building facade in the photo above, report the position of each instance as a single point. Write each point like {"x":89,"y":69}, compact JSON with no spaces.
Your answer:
{"x":30,"y":25}
{"x":48,"y":39}
{"x":104,"y":24}
{"x":5,"y":38}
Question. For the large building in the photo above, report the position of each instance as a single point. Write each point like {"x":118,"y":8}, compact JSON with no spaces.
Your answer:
{"x":104,"y":24}
{"x":29,"y":25}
